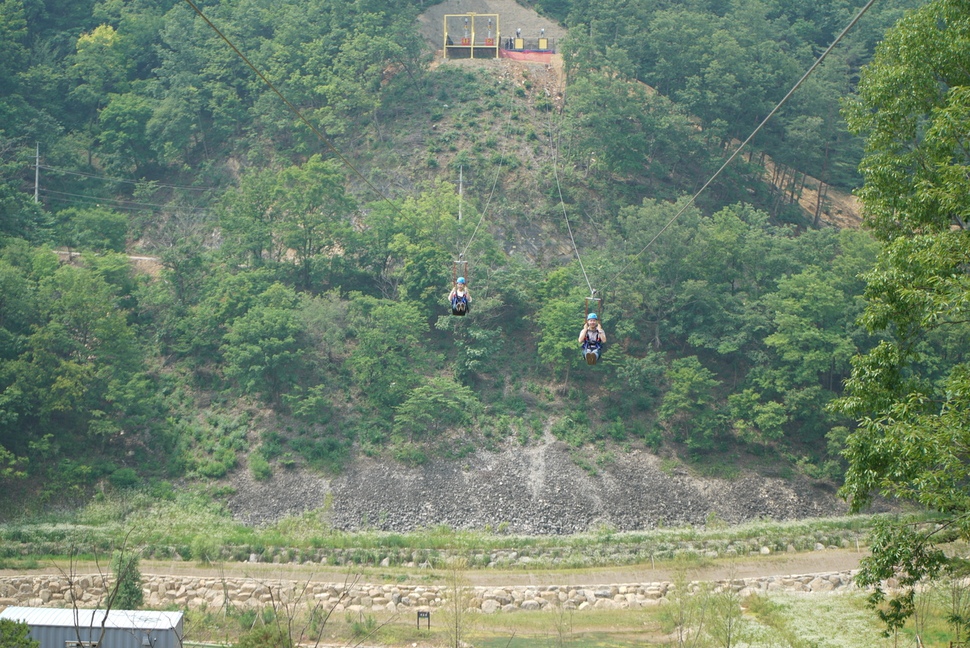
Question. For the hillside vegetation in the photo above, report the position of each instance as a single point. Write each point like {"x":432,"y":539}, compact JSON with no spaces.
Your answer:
{"x":296,"y":314}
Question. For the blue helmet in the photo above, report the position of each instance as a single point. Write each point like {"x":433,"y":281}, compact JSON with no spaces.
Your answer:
{"x":592,"y":316}
{"x":461,"y":280}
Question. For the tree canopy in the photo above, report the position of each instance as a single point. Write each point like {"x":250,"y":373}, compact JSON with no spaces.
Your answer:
{"x":909,"y":393}
{"x":226,"y":284}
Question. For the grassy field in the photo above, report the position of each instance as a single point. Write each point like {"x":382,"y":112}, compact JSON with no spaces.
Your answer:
{"x":783,"y":620}
{"x":185,"y":533}
{"x":163,"y":524}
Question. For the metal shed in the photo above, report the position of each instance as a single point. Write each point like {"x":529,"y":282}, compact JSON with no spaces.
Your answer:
{"x":67,"y":628}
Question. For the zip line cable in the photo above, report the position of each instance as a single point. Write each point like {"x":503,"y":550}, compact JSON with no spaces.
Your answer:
{"x":568,"y":227}
{"x":296,"y":111}
{"x":562,"y":203}
{"x":488,"y":201}
{"x":745,"y":142}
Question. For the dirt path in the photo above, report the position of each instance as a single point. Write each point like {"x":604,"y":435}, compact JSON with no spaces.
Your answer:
{"x":829,"y":560}
{"x":839,"y":208}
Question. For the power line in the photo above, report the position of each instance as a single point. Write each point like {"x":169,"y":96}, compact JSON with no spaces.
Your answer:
{"x":745,"y":142}
{"x":94,"y":203}
{"x":122,"y":180}
{"x":118,"y":202}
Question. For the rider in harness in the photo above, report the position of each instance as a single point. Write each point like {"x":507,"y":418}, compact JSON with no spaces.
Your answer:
{"x":592,"y":338}
{"x":459,"y":297}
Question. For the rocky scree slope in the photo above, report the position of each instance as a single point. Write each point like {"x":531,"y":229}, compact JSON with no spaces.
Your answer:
{"x":536,"y":490}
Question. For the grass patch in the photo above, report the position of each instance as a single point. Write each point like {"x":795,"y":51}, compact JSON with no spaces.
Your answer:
{"x":838,"y":621}
{"x":791,"y":620}
{"x":190,"y":524}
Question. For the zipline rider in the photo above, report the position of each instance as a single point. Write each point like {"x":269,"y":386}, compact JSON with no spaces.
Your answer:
{"x":592,"y":338}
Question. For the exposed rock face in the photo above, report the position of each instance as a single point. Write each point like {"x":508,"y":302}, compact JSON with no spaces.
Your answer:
{"x":535,"y":490}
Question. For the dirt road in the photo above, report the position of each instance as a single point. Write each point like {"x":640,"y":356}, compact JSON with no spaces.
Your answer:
{"x":829,"y":560}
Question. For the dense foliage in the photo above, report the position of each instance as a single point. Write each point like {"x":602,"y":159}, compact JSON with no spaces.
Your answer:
{"x":728,"y":63}
{"x":16,"y":635}
{"x":910,"y":393}
{"x":292,"y":309}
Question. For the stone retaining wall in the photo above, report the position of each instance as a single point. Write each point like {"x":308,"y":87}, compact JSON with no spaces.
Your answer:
{"x":241,"y":593}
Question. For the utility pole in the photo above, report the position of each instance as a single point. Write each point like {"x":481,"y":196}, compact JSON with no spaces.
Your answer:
{"x":37,"y":175}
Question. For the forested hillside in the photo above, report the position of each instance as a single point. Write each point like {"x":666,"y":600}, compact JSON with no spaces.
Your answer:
{"x":296,"y":313}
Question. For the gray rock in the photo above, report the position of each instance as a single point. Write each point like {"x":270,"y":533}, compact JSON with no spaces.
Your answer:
{"x":511,"y":490}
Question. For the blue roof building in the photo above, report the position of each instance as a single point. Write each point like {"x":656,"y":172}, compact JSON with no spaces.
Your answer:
{"x":69,"y":628}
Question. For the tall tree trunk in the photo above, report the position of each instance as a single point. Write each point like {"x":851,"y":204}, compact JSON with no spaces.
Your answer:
{"x":822,"y":189}
{"x":801,"y":188}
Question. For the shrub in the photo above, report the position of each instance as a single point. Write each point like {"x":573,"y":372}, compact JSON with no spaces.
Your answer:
{"x":265,"y":637}
{"x":410,"y":454}
{"x":15,"y":635}
{"x":259,"y":467}
{"x":129,"y":595}
{"x":205,"y":549}
{"x":573,"y":429}
{"x":123,"y":478}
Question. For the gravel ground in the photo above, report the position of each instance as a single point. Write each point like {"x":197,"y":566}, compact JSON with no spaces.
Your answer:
{"x":538,"y":490}
{"x":511,"y":16}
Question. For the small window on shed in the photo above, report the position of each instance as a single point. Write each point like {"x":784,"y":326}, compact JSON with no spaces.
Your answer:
{"x":73,"y":643}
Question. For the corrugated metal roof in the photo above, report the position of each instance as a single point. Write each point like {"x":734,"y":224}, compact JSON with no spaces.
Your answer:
{"x":65,"y":618}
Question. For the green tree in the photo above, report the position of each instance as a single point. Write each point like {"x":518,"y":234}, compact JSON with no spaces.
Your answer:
{"x":732,"y":259}
{"x":439,"y":404}
{"x":726,"y":624}
{"x":559,"y":321}
{"x":248,"y":217}
{"x":125,"y":146}
{"x":265,"y":636}
{"x":20,"y":216}
{"x":656,"y":279}
{"x":102,"y":65}
{"x":427,"y":240}
{"x":480,"y":343}
{"x":688,"y":406}
{"x":627,"y":128}
{"x":457,"y":602}
{"x":94,"y":229}
{"x":391,"y":348}
{"x":201,"y":89}
{"x":128,"y":594}
{"x":17,"y":308}
{"x":16,"y":635}
{"x":912,"y":400}
{"x":78,"y":366}
{"x":13,"y":53}
{"x":724,"y":70}
{"x":315,"y":215}
{"x":262,"y":347}
{"x":811,"y":333}
{"x":224,"y":296}
{"x":754,"y":419}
